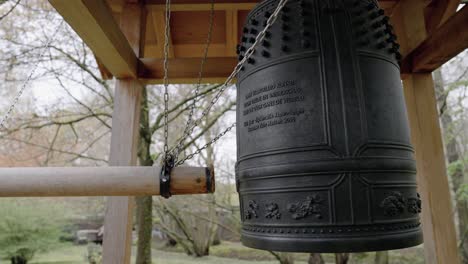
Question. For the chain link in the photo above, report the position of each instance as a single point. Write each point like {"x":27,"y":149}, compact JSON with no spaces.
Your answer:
{"x":178,"y":148}
{"x":236,"y":70}
{"x":28,"y":79}
{"x":166,"y":79}
{"x":199,"y":150}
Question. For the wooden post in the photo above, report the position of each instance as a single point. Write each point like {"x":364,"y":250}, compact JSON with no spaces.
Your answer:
{"x":125,"y":131}
{"x":119,"y":214}
{"x":440,"y":242}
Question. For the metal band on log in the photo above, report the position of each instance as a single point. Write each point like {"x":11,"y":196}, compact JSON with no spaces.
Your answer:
{"x":101,"y":181}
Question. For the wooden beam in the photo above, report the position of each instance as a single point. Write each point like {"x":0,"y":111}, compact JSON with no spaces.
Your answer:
{"x":101,"y":181}
{"x":161,"y":2}
{"x":193,"y":2}
{"x":387,"y":4}
{"x":118,"y":220}
{"x":445,"y":43}
{"x":188,"y":50}
{"x":186,"y":69}
{"x":413,"y":22}
{"x":105,"y":73}
{"x":439,"y":11}
{"x":95,"y":24}
{"x":440,"y":241}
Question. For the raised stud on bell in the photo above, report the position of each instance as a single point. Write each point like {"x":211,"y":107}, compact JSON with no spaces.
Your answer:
{"x":380,"y":45}
{"x":376,"y":25}
{"x":378,"y":34}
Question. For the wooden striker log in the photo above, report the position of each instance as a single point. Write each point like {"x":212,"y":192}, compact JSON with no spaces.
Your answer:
{"x":101,"y":181}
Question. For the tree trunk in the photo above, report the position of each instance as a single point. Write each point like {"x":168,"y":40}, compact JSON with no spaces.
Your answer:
{"x":18,"y":260}
{"x":381,"y":257}
{"x":283,"y":258}
{"x":144,"y":204}
{"x":341,"y":258}
{"x":316,"y":258}
{"x":453,"y":158}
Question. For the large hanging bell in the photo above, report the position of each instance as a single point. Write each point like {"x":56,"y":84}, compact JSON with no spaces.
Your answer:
{"x":325,"y":162}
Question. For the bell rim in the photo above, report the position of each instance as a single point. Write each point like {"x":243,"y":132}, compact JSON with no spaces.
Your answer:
{"x":336,"y":244}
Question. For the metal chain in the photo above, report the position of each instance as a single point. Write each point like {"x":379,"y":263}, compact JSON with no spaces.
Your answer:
{"x":199,"y":150}
{"x":166,"y":80}
{"x":178,"y":148}
{"x":237,"y":69}
{"x":28,"y":79}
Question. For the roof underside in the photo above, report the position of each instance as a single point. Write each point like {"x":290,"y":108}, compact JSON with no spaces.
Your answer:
{"x":189,"y":28}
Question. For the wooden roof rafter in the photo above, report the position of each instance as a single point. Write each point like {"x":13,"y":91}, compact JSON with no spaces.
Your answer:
{"x":94,"y":22}
{"x":443,"y":44}
{"x":190,"y":26}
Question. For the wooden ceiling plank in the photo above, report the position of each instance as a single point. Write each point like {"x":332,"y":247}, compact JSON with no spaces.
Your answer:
{"x":231,"y":32}
{"x":159,"y":24}
{"x":194,"y":2}
{"x":95,"y":24}
{"x":445,"y":43}
{"x":203,"y":7}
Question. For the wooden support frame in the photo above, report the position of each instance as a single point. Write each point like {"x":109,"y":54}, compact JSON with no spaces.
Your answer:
{"x":108,"y":181}
{"x":119,"y":214}
{"x":440,"y":242}
{"x":118,"y":220}
{"x":94,"y":22}
{"x":445,"y":43}
{"x":420,"y":33}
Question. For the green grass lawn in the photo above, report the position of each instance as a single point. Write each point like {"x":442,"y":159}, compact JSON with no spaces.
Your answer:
{"x":226,"y":253}
{"x":72,"y":254}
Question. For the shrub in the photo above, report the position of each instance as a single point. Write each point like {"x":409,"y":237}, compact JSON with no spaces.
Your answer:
{"x":27,"y":228}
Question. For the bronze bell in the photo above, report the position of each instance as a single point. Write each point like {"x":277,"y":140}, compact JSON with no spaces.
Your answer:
{"x":325,"y":162}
